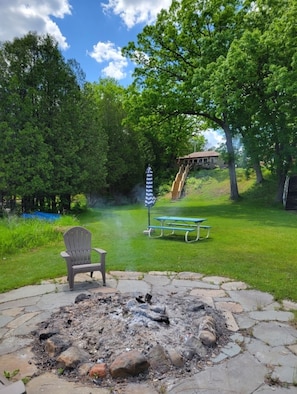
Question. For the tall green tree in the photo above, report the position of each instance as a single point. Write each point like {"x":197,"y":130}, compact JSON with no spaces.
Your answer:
{"x":39,"y":121}
{"x":95,"y":145}
{"x":161,"y":138}
{"x":178,"y":60}
{"x":124,"y":164}
{"x":261,"y":74}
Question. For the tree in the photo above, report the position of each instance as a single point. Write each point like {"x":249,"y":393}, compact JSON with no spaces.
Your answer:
{"x":161,"y":138}
{"x":94,"y":151}
{"x":261,"y":73}
{"x":178,"y":59}
{"x":39,"y":122}
{"x":123,"y":159}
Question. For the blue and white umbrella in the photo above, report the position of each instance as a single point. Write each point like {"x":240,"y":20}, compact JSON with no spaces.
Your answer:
{"x":149,"y":195}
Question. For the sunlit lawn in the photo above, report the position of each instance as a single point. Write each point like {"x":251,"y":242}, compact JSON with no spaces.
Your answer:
{"x":250,"y":241}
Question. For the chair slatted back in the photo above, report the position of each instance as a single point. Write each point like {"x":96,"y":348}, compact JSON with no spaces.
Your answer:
{"x":78,"y":244}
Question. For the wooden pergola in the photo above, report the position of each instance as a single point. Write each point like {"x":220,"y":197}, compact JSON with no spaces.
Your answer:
{"x":206,"y":159}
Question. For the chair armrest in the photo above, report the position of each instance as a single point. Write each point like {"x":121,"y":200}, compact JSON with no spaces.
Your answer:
{"x":100,"y":251}
{"x":65,"y":255}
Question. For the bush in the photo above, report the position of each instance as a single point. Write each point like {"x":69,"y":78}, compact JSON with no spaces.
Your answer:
{"x":18,"y":234}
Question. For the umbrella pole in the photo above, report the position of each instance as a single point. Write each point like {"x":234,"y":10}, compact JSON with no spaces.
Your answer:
{"x":148,"y":221}
{"x":149,"y":216}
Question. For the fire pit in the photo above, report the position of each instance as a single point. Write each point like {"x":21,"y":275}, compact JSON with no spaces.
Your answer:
{"x":112,"y":339}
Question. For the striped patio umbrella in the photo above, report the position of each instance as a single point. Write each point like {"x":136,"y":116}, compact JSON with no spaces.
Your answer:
{"x":149,"y":195}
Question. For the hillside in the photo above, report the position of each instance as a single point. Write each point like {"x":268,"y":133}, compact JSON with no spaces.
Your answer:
{"x":214,"y":186}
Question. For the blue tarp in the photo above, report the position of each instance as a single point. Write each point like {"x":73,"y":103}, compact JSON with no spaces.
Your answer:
{"x":50,"y":217}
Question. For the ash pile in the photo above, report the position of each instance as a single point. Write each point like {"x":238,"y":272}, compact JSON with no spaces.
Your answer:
{"x":108,"y":339}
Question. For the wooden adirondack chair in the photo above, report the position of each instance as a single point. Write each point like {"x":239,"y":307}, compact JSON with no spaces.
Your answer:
{"x":78,"y":254}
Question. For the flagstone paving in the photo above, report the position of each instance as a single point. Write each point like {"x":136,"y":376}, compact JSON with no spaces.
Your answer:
{"x":261,"y":358}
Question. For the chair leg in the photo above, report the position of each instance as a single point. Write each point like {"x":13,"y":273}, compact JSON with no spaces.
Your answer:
{"x":103,"y":278}
{"x":71,"y":280}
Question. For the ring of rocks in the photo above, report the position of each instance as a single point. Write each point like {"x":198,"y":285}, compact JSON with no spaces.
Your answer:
{"x":109,"y":340}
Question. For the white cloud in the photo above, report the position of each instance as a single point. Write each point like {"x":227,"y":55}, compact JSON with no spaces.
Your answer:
{"x":133,"y":12}
{"x":18,"y":17}
{"x":107,"y":52}
{"x":214,"y":138}
{"x":114,"y":70}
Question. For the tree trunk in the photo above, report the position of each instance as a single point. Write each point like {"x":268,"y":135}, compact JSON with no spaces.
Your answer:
{"x":258,"y":171}
{"x":281,"y":178}
{"x":283,"y":165}
{"x":234,"y":195}
{"x":65,"y":203}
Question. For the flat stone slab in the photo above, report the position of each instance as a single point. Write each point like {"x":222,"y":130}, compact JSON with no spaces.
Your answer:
{"x":133,"y":286}
{"x":135,"y":388}
{"x":172,"y":274}
{"x":242,"y":374}
{"x":230,"y":321}
{"x":4,"y":320}
{"x":21,"y":360}
{"x":293,"y":349}
{"x":28,"y":325}
{"x":272,"y":315}
{"x":157,"y":280}
{"x":285,"y":374}
{"x":126,"y":275}
{"x":244,"y":322}
{"x":20,"y":320}
{"x":188,"y":275}
{"x":217,"y":293}
{"x":276,"y":356}
{"x":233,"y":307}
{"x":19,"y":303}
{"x":193,"y":284}
{"x":51,"y":384}
{"x":234,"y":286}
{"x":56,"y":300}
{"x":265,"y":389}
{"x":216,"y":280}
{"x":12,"y":344}
{"x":27,"y":291}
{"x":289,"y":305}
{"x":251,"y":300}
{"x":228,"y":351}
{"x":275,"y":334}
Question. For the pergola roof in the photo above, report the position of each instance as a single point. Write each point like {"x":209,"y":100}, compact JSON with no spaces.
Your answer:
{"x":199,"y":155}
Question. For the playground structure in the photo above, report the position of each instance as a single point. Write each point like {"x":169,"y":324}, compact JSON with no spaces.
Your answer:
{"x":195,"y":160}
{"x":179,"y":181}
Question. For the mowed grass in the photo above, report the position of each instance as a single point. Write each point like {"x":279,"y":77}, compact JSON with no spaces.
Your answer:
{"x":252,"y":240}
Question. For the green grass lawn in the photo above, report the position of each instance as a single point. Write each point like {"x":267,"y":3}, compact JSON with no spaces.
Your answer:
{"x":252,"y":240}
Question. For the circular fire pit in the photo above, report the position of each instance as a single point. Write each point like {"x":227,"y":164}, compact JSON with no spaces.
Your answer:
{"x":111,"y":339}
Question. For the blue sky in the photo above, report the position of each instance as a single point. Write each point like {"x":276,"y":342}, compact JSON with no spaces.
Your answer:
{"x":90,"y":31}
{"x":95,"y":40}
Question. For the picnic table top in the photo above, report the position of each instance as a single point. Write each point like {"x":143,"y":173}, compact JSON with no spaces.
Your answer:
{"x":180,"y":219}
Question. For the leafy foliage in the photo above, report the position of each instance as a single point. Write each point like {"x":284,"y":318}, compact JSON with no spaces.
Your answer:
{"x":60,"y":136}
{"x":231,"y":62}
{"x":39,"y":121}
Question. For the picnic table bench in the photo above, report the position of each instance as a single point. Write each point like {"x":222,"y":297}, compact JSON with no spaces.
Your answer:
{"x":179,"y":223}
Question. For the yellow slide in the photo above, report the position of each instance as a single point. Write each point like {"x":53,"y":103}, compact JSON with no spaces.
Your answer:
{"x":179,"y":182}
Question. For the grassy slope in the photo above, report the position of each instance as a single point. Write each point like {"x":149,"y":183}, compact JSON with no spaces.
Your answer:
{"x":251,"y":240}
